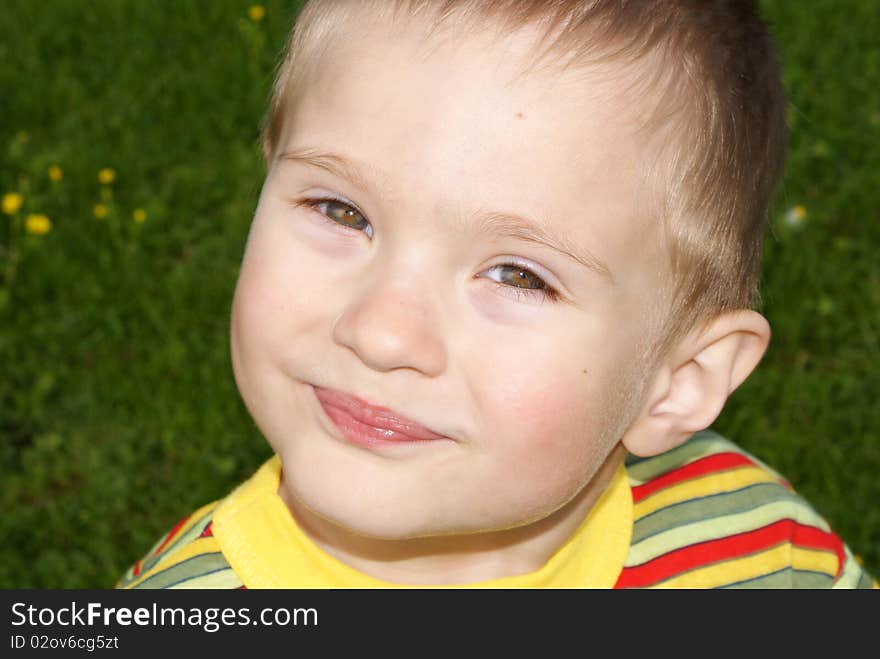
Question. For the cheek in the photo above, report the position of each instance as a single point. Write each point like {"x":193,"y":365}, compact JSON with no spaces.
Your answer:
{"x":552,"y":434}
{"x":267,"y":310}
{"x":543,"y":451}
{"x":257,"y":310}
{"x":282,"y":285}
{"x":250,"y":335}
{"x":542,"y":409}
{"x":548,"y":416}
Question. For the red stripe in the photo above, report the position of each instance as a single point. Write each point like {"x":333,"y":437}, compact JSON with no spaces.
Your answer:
{"x":809,"y":537}
{"x":735,"y":546}
{"x":170,"y":535}
{"x":207,"y":532}
{"x":709,"y":464}
{"x":137,"y":569}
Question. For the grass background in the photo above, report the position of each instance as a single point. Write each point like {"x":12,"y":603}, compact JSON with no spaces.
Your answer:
{"x":118,"y":411}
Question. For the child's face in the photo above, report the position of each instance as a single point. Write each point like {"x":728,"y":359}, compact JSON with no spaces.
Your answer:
{"x":407,"y":304}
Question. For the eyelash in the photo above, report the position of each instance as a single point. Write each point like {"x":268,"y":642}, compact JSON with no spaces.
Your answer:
{"x":548,"y":292}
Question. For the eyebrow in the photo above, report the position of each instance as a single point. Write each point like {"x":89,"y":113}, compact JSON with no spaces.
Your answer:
{"x":493,"y":223}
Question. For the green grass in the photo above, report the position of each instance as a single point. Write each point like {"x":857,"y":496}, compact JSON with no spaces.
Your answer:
{"x":118,"y":412}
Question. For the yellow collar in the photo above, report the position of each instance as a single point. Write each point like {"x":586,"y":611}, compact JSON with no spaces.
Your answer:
{"x":267,"y":549}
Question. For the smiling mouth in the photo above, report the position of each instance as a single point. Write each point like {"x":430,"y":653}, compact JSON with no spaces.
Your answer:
{"x":367,"y":425}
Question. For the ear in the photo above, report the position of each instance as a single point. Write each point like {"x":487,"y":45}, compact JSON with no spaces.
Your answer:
{"x":690,"y":388}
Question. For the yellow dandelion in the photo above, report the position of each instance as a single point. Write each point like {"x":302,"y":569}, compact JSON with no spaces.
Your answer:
{"x":12,"y":201}
{"x":100,"y":211}
{"x":795,"y":215}
{"x":37,"y":224}
{"x":55,"y":173}
{"x":139,"y":215}
{"x":106,"y":176}
{"x":256,"y":13}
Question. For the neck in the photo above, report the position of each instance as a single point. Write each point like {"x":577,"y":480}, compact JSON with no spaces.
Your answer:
{"x":458,"y":559}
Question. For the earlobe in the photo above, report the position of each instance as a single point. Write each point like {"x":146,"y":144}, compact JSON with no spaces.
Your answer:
{"x":690,"y":390}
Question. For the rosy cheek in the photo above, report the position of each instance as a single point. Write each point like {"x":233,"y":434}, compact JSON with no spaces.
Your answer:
{"x":258,"y":302}
{"x":538,"y":408}
{"x":542,"y":448}
{"x":291,"y":272}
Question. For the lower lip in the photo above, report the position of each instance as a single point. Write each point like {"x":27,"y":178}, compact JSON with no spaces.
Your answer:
{"x":362,"y":434}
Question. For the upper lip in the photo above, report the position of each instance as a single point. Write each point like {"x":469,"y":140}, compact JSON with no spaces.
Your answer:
{"x":376,"y":416}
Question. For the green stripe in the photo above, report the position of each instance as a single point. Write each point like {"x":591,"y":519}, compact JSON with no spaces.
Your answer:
{"x":715,"y":505}
{"x":786,"y":578}
{"x":719,"y":527}
{"x":190,"y":568}
{"x":194,"y":532}
{"x":225,"y":578}
{"x":853,"y":576}
{"x":126,"y":578}
{"x":865,"y":581}
{"x":642,"y":470}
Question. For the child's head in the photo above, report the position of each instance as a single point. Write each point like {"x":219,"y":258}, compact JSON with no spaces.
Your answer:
{"x":704,"y":78}
{"x":533,"y":227}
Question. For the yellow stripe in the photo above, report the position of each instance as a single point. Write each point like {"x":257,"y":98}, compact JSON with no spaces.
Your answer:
{"x":129,"y":579}
{"x":195,"y":517}
{"x":719,"y":527}
{"x":194,"y":548}
{"x":714,"y":483}
{"x":815,"y":560}
{"x":754,"y":566}
{"x":739,"y":569}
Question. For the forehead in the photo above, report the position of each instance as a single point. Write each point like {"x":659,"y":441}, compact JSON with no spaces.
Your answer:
{"x":460,"y":122}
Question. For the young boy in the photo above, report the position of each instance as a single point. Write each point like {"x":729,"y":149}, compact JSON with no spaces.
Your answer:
{"x":498,"y":285}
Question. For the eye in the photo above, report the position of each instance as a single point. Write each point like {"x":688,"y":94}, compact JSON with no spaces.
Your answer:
{"x":522,"y":282}
{"x":339,"y":213}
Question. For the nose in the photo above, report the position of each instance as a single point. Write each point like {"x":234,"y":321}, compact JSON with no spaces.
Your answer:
{"x":390,"y":325}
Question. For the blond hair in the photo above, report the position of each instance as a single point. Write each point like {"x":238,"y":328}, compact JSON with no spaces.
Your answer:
{"x":720,"y":106}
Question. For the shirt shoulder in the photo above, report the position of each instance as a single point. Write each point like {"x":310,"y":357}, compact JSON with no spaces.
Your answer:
{"x":187,"y":556}
{"x":710,"y":515}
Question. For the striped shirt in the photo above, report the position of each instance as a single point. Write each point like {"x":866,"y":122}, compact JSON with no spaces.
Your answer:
{"x":704,"y":515}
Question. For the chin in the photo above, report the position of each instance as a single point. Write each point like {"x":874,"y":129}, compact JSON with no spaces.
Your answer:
{"x":373,"y":501}
{"x":369,"y":521}
{"x":369,"y":517}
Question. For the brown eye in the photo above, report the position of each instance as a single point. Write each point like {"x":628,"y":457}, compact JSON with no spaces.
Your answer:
{"x":342,"y":214}
{"x":345,"y":214}
{"x":520,"y":277}
{"x":521,"y":282}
